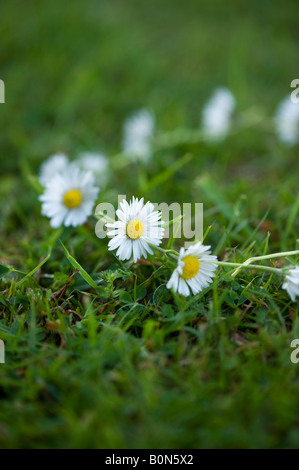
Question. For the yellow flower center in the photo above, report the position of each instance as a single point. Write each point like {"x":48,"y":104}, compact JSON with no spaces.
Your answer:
{"x":135,"y":229}
{"x":191,"y":267}
{"x":72,"y":199}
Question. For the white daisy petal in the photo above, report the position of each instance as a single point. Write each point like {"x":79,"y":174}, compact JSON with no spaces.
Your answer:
{"x":143,"y":247}
{"x":183,"y":288}
{"x":194,"y":270}
{"x":97,"y":164}
{"x":124,"y":251}
{"x":138,"y":132}
{"x":55,"y":164}
{"x":217,"y":115}
{"x":146,"y":247}
{"x":57,"y":220}
{"x":115,"y":242}
{"x":173,"y":281}
{"x":69,"y":197}
{"x":291,"y":284}
{"x":287,"y":122}
{"x":132,"y":233}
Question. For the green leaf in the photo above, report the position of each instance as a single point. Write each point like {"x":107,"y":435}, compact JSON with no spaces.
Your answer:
{"x":78,"y":266}
{"x":35,"y":269}
{"x":3,"y":270}
{"x":126,"y":298}
{"x":140,"y":293}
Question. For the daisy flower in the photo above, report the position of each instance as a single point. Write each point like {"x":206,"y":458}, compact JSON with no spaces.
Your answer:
{"x":138,"y":227}
{"x":287,"y":122}
{"x":69,"y":197}
{"x":291,"y":284}
{"x":97,"y":163}
{"x":194,"y":271}
{"x":55,"y":164}
{"x":217,"y":115}
{"x":137,"y":134}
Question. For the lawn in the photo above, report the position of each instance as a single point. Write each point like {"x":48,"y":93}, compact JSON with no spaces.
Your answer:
{"x":129,"y":363}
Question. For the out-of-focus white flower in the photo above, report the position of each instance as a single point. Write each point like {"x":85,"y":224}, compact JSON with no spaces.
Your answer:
{"x":69,"y":197}
{"x":137,"y":134}
{"x":194,"y":271}
{"x":138,"y":226}
{"x":217,"y":115}
{"x":287,"y":122}
{"x":291,"y":284}
{"x":97,"y":163}
{"x":55,"y":164}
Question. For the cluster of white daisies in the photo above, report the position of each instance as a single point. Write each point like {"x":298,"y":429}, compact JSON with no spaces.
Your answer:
{"x":71,"y":189}
{"x":69,"y":198}
{"x":218,"y":114}
{"x":217,"y":120}
{"x":139,"y":229}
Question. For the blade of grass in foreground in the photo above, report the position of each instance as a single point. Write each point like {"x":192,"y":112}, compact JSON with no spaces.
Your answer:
{"x":165,"y":175}
{"x":35,"y":269}
{"x":78,"y":266}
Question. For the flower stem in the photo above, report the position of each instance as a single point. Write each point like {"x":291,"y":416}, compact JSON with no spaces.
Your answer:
{"x":260,"y":258}
{"x":100,"y":215}
{"x":172,"y":253}
{"x":249,"y":266}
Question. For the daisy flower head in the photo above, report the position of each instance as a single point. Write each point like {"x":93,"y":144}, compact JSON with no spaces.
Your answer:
{"x":138,"y":226}
{"x":55,"y":164}
{"x":69,"y":197}
{"x":194,"y":271}
{"x":287,"y":122}
{"x":97,"y":163}
{"x":291,"y":284}
{"x":217,"y":115}
{"x":137,"y":134}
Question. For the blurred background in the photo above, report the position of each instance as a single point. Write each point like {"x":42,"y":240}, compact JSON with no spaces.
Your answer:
{"x":73,"y":72}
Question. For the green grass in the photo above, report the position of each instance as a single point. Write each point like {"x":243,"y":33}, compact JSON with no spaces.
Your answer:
{"x":127,"y":364}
